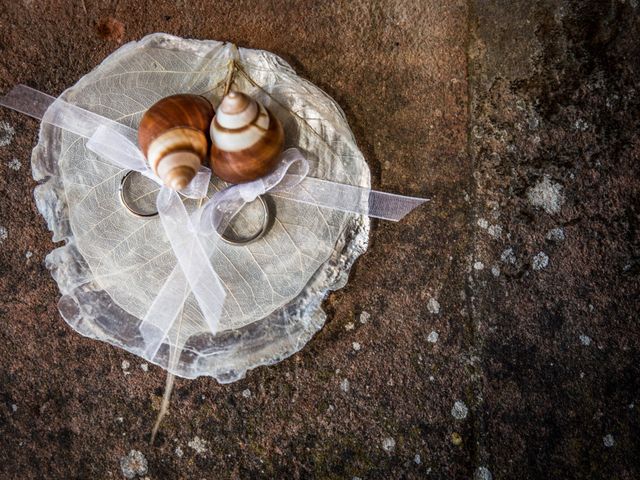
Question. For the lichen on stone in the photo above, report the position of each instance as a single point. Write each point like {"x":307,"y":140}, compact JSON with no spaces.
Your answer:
{"x":433,"y":306}
{"x":540,"y":261}
{"x":482,"y":473}
{"x":7,"y":133}
{"x":198,"y":444}
{"x":546,"y":195}
{"x":507,"y":256}
{"x":388,"y":444}
{"x":134,"y":464}
{"x":555,"y":234}
{"x":459,"y":411}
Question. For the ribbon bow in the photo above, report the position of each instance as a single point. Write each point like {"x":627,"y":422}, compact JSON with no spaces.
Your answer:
{"x":186,"y":233}
{"x":194,"y":271}
{"x":224,"y":205}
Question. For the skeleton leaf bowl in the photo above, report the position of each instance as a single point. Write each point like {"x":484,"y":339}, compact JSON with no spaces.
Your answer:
{"x":112,"y":264}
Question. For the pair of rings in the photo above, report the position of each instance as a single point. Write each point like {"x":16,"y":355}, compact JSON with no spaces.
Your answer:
{"x":227,"y":236}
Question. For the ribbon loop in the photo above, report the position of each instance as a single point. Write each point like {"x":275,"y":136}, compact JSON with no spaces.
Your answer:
{"x":251,"y":190}
{"x":294,"y":168}
{"x":224,"y":205}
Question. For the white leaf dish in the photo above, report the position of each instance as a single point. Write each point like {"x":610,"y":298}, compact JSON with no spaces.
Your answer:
{"x":113,"y":264}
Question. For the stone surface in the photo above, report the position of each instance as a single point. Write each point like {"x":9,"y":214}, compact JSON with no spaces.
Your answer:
{"x":554,"y":102}
{"x":515,"y":118}
{"x":134,"y":464}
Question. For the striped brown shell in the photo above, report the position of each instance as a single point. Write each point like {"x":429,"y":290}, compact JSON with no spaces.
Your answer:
{"x":173,"y":135}
{"x":247,"y":139}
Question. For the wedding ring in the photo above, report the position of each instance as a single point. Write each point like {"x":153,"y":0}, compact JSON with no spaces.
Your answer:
{"x":228,"y":236}
{"x":122,"y":192}
{"x":232,"y":239}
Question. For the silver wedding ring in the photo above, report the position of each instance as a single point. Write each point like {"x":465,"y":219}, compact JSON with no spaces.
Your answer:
{"x":232,"y":239}
{"x":228,"y":236}
{"x":122,"y":192}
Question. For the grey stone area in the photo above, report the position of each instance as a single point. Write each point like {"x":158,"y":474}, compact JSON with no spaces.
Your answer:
{"x":516,"y":118}
{"x":554,"y":110}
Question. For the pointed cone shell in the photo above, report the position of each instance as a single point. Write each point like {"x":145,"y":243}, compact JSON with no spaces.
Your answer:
{"x":247,"y":139}
{"x":173,"y":135}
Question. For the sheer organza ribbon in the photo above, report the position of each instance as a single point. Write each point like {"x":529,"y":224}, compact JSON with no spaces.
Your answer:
{"x":115,"y":143}
{"x":194,"y":237}
{"x":194,"y":272}
{"x":292,"y":169}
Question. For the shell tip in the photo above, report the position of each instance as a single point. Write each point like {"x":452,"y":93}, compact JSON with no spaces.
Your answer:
{"x":178,"y":178}
{"x":234,"y":102}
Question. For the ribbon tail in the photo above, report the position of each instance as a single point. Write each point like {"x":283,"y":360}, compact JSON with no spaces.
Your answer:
{"x":389,"y":206}
{"x":196,"y":275}
{"x":27,"y":100}
{"x":164,"y":312}
{"x":59,"y":113}
{"x":290,"y":181}
{"x":350,"y":198}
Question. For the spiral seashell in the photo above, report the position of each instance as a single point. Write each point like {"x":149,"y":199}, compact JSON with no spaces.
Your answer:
{"x":247,"y":139}
{"x":173,"y":135}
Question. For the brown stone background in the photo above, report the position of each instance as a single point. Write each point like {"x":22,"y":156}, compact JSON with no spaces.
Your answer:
{"x":479,"y":105}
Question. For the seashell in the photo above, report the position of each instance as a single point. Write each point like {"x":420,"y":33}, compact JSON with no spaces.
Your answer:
{"x":173,"y":135}
{"x":247,"y":139}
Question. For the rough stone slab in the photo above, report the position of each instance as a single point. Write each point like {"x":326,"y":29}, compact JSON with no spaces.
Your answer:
{"x":516,"y":118}
{"x":555,"y":149}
